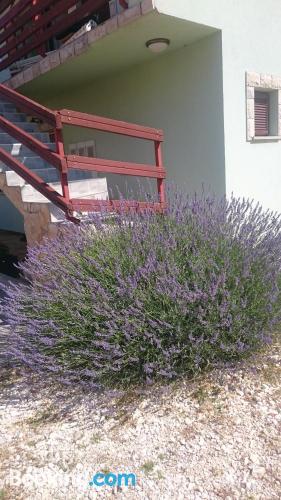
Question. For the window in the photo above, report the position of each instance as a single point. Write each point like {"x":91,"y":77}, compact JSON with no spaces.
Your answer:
{"x":87,"y":148}
{"x":261,"y":114}
{"x":263,"y":93}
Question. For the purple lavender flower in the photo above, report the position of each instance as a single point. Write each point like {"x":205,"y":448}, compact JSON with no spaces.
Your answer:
{"x":143,"y":295}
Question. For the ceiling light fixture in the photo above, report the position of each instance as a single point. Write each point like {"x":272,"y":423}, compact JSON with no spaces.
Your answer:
{"x":157,"y":45}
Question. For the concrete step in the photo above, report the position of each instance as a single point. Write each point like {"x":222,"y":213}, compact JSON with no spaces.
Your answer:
{"x":87,"y":189}
{"x":19,"y":150}
{"x":4,"y":100}
{"x":14,"y":117}
{"x":27,"y":126}
{"x":7,"y":106}
{"x":35,"y":162}
{"x":48,"y":174}
{"x":5,"y":138}
{"x":32,"y":162}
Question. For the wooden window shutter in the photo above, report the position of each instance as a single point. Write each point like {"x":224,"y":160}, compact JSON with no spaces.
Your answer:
{"x":261,"y":114}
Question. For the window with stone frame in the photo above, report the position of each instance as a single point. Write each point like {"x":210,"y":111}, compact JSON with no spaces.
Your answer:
{"x":263,"y":106}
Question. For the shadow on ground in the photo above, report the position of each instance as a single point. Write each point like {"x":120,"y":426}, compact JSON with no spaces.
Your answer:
{"x":12,"y":251}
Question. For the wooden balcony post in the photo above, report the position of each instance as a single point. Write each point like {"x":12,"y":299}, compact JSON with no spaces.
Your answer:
{"x":159,"y":165}
{"x":60,"y":151}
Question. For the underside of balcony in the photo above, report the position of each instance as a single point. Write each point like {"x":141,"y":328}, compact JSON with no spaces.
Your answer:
{"x":113,"y":46}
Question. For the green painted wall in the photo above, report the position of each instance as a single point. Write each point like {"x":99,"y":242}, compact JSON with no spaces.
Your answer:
{"x":180,"y":92}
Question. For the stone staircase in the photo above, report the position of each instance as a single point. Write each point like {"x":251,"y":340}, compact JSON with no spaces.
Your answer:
{"x":41,"y":217}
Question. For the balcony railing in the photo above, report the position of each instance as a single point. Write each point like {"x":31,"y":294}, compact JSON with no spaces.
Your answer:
{"x":64,"y":162}
{"x":29,"y":27}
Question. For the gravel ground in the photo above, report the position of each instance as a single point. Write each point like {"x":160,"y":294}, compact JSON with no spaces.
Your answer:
{"x":214,"y":437}
{"x":217,"y":436}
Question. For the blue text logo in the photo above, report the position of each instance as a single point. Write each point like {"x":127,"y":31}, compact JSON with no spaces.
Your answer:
{"x":101,"y":479}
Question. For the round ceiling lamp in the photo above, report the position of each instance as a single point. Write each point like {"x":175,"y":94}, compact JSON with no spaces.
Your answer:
{"x":158,"y":45}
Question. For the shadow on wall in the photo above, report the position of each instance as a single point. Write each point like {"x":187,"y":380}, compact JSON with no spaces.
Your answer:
{"x":12,"y":237}
{"x":10,"y":218}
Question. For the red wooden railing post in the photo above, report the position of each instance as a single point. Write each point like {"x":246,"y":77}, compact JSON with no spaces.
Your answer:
{"x":159,"y":164}
{"x":60,"y":151}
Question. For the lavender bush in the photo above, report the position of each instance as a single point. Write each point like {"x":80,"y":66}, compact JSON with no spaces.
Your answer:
{"x":149,"y":296}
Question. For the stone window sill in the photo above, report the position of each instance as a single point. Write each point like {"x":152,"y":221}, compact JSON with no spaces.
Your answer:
{"x":267,"y":138}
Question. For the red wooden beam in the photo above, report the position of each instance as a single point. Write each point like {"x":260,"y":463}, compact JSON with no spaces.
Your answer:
{"x":63,"y":170}
{"x":28,"y":105}
{"x":59,"y":26}
{"x":29,"y":141}
{"x":85,"y":205}
{"x":33,"y":26}
{"x":35,"y":181}
{"x":114,"y":167}
{"x":108,"y":125}
{"x":159,"y":165}
{"x":19,"y":19}
{"x":12,"y":13}
{"x":4,"y":4}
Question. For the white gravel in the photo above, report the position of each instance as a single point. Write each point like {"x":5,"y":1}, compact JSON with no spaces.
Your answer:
{"x":216,"y":437}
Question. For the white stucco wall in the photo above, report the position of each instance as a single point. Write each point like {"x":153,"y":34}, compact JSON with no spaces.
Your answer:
{"x":251,"y":41}
{"x":180,"y":92}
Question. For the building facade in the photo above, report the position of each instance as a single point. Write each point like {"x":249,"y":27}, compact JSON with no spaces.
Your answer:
{"x":215,"y":91}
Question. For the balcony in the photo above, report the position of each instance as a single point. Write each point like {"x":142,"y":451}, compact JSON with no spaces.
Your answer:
{"x":30,"y":28}
{"x":114,"y":45}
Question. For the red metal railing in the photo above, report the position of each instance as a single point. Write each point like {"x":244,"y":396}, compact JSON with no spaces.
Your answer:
{"x":28,"y":25}
{"x":64,"y":162}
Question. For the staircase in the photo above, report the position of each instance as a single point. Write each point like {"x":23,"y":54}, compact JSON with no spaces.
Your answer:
{"x":48,"y":186}
{"x":30,"y":203}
